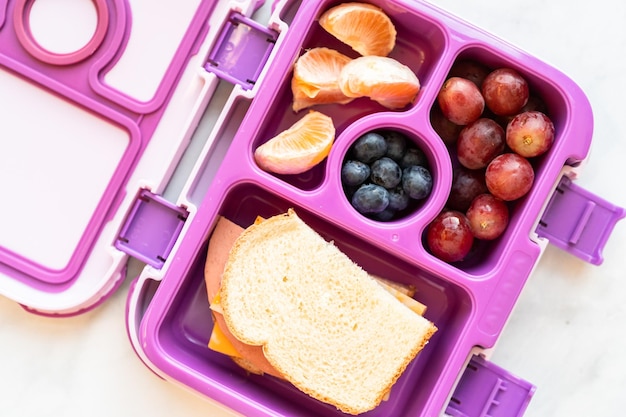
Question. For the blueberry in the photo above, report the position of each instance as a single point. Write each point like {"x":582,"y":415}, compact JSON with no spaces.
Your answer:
{"x":396,"y":144}
{"x":370,"y":198}
{"x":398,"y":199}
{"x":369,"y":147}
{"x":354,"y":173}
{"x":413,"y":156}
{"x":386,"y":172}
{"x":417,"y":181}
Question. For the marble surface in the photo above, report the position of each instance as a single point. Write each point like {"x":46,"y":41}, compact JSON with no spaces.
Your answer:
{"x":566,"y":335}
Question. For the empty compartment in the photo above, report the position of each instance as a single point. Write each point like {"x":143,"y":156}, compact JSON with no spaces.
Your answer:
{"x":184,"y":333}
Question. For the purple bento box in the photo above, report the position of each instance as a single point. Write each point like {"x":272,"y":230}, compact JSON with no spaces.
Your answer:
{"x":220,"y":50}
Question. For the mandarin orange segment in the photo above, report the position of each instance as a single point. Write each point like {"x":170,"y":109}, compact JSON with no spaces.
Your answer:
{"x":300,"y":147}
{"x":315,"y":77}
{"x":382,"y":79}
{"x":364,"y":27}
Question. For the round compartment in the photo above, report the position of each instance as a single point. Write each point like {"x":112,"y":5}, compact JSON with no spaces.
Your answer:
{"x":388,"y":171}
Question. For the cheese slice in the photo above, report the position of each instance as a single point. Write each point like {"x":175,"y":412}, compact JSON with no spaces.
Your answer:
{"x":220,"y":343}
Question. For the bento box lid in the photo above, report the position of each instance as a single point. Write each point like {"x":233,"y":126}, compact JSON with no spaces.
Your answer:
{"x":92,"y":133}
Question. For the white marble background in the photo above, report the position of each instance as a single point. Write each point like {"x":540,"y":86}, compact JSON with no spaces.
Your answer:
{"x":567,"y":334}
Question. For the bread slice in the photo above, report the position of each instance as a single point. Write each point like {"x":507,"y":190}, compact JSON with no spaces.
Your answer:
{"x":251,"y":358}
{"x":225,"y":234}
{"x":323,"y":323}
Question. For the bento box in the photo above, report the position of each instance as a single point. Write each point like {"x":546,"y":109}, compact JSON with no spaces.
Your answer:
{"x":468,"y":301}
{"x":223,"y":65}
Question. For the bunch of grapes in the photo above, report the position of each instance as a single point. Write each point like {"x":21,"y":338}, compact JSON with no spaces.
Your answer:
{"x":493,"y":126}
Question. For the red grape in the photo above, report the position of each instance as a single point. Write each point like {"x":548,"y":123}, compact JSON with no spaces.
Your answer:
{"x":460,"y":100}
{"x":505,"y":91}
{"x":509,"y":176}
{"x":530,"y":134}
{"x":466,"y":185}
{"x":488,"y":217}
{"x":480,"y":142}
{"x":449,"y":236}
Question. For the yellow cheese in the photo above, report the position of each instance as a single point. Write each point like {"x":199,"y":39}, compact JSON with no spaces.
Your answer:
{"x":218,"y":340}
{"x":220,"y":343}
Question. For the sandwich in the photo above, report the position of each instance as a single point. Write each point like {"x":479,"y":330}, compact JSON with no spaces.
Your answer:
{"x":287,"y":303}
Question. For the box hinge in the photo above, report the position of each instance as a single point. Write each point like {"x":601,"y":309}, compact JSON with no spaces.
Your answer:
{"x":151,"y":229}
{"x":241,"y":51}
{"x":486,"y":390}
{"x":578,"y":221}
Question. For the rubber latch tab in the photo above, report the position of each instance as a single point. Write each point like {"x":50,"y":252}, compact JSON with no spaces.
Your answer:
{"x":578,"y":221}
{"x":241,"y":51}
{"x":151,"y":229}
{"x":487,"y":390}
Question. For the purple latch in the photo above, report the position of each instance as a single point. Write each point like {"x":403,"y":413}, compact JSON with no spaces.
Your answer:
{"x":241,"y":51}
{"x":486,"y":390}
{"x":151,"y":229}
{"x":578,"y":221}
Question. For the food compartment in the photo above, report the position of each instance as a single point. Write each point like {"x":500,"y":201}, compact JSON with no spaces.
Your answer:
{"x":550,"y":93}
{"x":184,"y":333}
{"x":388,"y":170}
{"x":419,"y":45}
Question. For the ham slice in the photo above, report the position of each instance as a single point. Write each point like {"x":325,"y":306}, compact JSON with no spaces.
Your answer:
{"x":224,"y":236}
